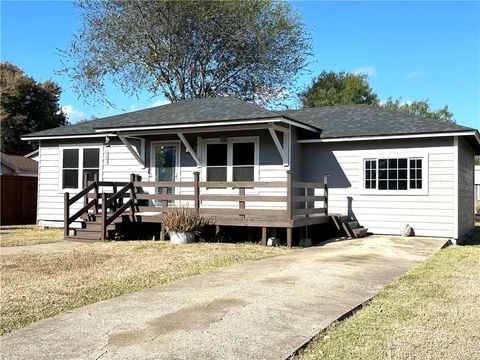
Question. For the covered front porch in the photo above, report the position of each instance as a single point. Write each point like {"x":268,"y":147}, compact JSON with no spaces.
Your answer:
{"x":108,"y":205}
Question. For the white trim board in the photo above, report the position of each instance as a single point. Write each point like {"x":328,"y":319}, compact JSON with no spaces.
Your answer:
{"x":388,"y":137}
{"x":59,"y":137}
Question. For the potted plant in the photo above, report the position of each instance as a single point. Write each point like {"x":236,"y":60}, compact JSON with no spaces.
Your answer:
{"x":183,"y":224}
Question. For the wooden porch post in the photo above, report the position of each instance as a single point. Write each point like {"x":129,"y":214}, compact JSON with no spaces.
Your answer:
{"x":264,"y":236}
{"x":103,"y":233}
{"x":132,"y":195}
{"x":241,"y":203}
{"x":289,"y":237}
{"x":85,"y":184}
{"x":66,"y":214}
{"x":289,"y":195}
{"x":289,"y":206}
{"x":325,"y":193}
{"x":95,"y":192}
{"x":196,"y":191}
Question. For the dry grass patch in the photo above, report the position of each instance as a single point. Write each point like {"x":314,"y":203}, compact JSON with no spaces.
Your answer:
{"x":37,"y":285}
{"x":17,"y":235}
{"x":430,"y":313}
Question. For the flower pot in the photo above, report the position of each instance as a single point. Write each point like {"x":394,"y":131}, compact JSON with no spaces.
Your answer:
{"x":182,"y":238}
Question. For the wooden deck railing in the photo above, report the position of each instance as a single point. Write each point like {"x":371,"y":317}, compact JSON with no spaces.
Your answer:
{"x":214,"y":199}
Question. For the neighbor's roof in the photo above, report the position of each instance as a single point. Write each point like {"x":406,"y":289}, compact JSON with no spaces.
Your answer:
{"x":363,"y":120}
{"x":19,"y":163}
{"x":183,"y":112}
{"x":333,"y":122}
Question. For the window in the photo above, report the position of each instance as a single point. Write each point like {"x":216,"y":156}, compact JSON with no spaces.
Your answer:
{"x":393,"y":174}
{"x":370,"y":174}
{"x":217,"y":162}
{"x":415,"y":173}
{"x":233,"y":160}
{"x":243,"y":161}
{"x":70,"y":169}
{"x":76,"y":163}
{"x":91,"y":162}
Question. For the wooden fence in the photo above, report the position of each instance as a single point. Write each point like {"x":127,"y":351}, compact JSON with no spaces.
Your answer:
{"x":18,"y":200}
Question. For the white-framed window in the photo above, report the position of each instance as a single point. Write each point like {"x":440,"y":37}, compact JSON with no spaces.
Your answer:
{"x":232,"y":159}
{"x":395,"y":175}
{"x":76,"y":162}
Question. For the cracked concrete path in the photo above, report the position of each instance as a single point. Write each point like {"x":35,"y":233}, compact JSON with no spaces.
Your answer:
{"x":265,"y":309}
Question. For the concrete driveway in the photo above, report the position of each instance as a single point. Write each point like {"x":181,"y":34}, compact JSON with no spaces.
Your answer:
{"x":265,"y":309}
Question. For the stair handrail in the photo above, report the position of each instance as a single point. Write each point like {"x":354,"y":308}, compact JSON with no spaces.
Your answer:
{"x":67,"y":202}
{"x":106,"y":202}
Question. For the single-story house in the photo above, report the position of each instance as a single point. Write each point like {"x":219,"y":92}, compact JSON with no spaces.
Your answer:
{"x":244,"y":165}
{"x":18,"y":188}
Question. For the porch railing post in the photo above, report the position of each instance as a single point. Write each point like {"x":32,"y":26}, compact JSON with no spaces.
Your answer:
{"x":325,"y":194}
{"x":95,"y":192}
{"x":85,"y":184}
{"x":66,"y":214}
{"x":103,"y":233}
{"x":289,"y":195}
{"x":196,"y":191}
{"x":241,"y":203}
{"x":132,"y":195}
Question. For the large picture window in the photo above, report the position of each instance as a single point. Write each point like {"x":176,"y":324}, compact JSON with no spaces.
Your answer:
{"x":393,"y":174}
{"x":233,"y":160}
{"x":76,"y":163}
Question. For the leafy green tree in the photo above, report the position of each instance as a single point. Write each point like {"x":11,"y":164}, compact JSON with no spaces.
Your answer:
{"x":331,"y":88}
{"x":26,"y":106}
{"x":419,"y":108}
{"x":187,"y":49}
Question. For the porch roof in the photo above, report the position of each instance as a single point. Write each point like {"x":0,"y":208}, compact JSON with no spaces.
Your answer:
{"x":185,"y":113}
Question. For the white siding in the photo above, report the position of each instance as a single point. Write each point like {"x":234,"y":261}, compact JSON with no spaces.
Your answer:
{"x":429,"y":215}
{"x":466,"y":166}
{"x":117,"y":164}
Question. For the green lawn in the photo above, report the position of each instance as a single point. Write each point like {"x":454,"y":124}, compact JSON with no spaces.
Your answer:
{"x":432,"y":312}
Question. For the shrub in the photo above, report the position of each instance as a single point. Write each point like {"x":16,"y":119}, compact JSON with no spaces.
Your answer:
{"x":183,"y":220}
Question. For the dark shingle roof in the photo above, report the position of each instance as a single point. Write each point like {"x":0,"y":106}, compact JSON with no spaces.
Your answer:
{"x":182,"y":112}
{"x":333,"y":121}
{"x":363,"y":120}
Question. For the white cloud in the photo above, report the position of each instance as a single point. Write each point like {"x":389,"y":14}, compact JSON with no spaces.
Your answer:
{"x":415,"y":74}
{"x":366,"y":70}
{"x":73,"y":115}
{"x":159,"y":102}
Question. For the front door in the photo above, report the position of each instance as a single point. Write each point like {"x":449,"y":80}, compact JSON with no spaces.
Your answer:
{"x":165,"y":166}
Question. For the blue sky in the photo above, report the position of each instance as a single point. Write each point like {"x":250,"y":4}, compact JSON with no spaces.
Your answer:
{"x":413,"y":50}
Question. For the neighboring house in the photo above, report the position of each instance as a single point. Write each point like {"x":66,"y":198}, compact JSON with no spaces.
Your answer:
{"x":17,"y":165}
{"x":18,"y":182}
{"x":385,"y":169}
{"x":477,"y":189}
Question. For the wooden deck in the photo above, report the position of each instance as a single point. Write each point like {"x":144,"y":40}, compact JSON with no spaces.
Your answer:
{"x":265,"y":205}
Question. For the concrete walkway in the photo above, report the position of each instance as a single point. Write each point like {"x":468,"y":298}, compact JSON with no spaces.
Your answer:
{"x":261,"y":310}
{"x":9,"y":250}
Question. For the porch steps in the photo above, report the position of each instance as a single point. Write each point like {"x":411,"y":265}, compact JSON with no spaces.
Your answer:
{"x":91,"y":228}
{"x":350,"y":227}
